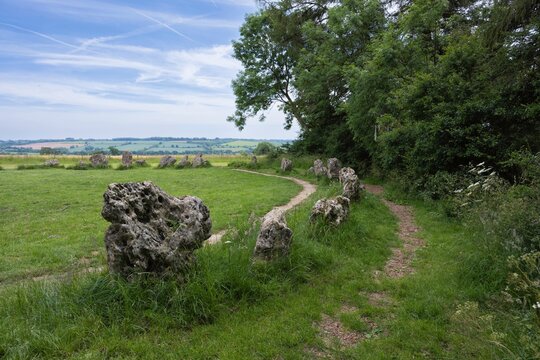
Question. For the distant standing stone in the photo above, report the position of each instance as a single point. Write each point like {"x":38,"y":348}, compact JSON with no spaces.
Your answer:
{"x":52,"y":163}
{"x":351,"y":184}
{"x":198,"y":161}
{"x":152,"y":231}
{"x":141,"y":162}
{"x":254,"y":160}
{"x":318,"y":168}
{"x":333,"y":211}
{"x":166,"y":161}
{"x":286,"y":164}
{"x":185,"y":161}
{"x":98,"y":160}
{"x":127,"y":158}
{"x":274,"y":238}
{"x":334,"y":165}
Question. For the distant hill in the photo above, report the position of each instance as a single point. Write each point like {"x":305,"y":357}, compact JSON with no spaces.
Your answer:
{"x":146,"y":146}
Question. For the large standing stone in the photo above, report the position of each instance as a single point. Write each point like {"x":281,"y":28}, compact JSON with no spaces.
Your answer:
{"x":334,"y":165}
{"x":198,"y":161}
{"x":274,"y":238}
{"x":99,"y":160}
{"x":152,"y":231}
{"x":333,"y":211}
{"x":127,"y":158}
{"x":166,"y":161}
{"x":286,"y":164}
{"x":318,"y":168}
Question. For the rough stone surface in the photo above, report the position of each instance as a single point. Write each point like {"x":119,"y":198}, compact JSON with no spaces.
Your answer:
{"x":141,"y":162}
{"x":99,"y":160}
{"x":351,"y":184}
{"x":286,"y":164}
{"x":166,"y":161}
{"x":198,"y":161}
{"x":333,"y":211}
{"x":185,"y":161}
{"x":254,"y":160}
{"x":52,"y":162}
{"x":274,"y":238}
{"x":152,"y":231}
{"x":318,"y":168}
{"x":127,"y":158}
{"x":345,"y":173}
{"x":334,"y":165}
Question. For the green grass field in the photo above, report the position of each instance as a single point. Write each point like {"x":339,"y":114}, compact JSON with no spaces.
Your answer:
{"x":230,"y":307}
{"x":50,"y":219}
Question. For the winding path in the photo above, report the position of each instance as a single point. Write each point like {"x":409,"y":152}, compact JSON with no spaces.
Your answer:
{"x":400,"y":264}
{"x":307,"y":189}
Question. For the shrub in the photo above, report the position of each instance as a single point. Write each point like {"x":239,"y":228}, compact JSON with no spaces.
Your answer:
{"x":39,"y":166}
{"x":244,"y":165}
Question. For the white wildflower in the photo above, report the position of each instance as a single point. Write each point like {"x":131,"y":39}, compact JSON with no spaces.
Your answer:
{"x":536,"y":306}
{"x":458,"y":191}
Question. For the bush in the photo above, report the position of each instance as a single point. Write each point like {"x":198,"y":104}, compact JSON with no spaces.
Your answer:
{"x":244,"y":165}
{"x":39,"y":166}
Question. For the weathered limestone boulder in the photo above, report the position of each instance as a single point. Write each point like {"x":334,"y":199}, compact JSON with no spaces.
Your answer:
{"x":352,"y":188}
{"x":141,"y":162}
{"x":286,"y":164}
{"x":52,"y":162}
{"x":184,"y":162}
{"x":274,"y":238}
{"x":351,"y":184}
{"x":198,"y":161}
{"x":98,"y":160}
{"x":333,"y":211}
{"x":345,"y":173}
{"x":152,"y":231}
{"x":334,"y":165}
{"x":318,"y":168}
{"x":254,"y":160}
{"x":166,"y":161}
{"x":127,"y":158}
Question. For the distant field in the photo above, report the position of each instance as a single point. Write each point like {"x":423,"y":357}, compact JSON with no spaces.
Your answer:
{"x":50,"y":219}
{"x":205,"y":146}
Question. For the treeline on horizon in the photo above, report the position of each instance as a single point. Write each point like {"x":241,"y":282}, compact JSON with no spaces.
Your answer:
{"x":409,"y":87}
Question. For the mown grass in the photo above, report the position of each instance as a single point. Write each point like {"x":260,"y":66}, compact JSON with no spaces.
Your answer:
{"x":231,"y":308}
{"x":50,"y":219}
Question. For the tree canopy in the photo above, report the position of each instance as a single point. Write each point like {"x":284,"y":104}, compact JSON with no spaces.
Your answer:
{"x":416,"y":86}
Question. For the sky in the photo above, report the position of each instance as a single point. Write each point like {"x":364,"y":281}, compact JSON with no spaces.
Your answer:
{"x":112,"y":68}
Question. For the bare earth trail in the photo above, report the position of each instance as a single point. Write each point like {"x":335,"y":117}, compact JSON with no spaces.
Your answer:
{"x":400,"y":264}
{"x":307,"y":189}
{"x":331,"y":330}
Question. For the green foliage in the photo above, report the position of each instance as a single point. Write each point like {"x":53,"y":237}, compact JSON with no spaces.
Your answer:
{"x":38,"y":166}
{"x":264,"y":148}
{"x":244,"y":165}
{"x":114,"y":151}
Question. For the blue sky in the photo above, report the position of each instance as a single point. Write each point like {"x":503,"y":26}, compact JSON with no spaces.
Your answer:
{"x":102,"y":69}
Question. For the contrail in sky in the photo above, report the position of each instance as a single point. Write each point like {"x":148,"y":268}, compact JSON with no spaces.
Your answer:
{"x":40,"y":35}
{"x":164,"y":25}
